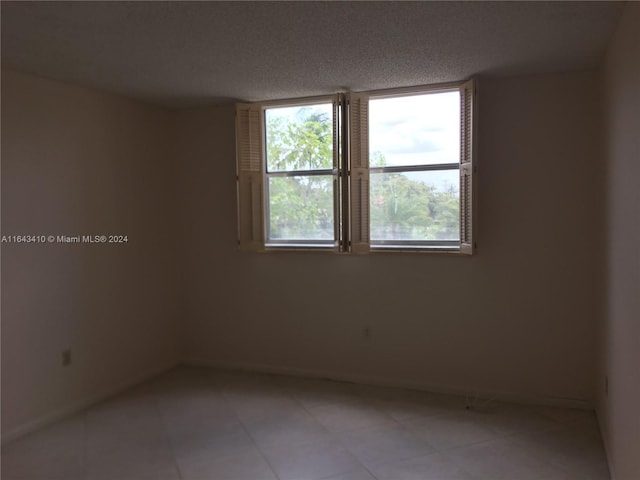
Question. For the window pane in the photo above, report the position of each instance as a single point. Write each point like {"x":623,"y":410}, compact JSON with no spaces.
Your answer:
{"x":415,"y":206}
{"x":301,"y":208}
{"x":299,"y":138}
{"x":415,"y":130}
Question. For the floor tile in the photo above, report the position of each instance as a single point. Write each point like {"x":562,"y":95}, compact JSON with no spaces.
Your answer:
{"x":192,"y":444}
{"x":352,"y":416}
{"x":191,"y":422}
{"x":178,"y":399}
{"x":361,"y":474}
{"x":449,"y":431}
{"x":431,"y":467}
{"x":287,"y":429}
{"x":563,"y":415}
{"x":508,"y":419}
{"x":310,"y":461}
{"x":249,"y":465}
{"x":257,"y":406}
{"x":381,"y":444}
{"x":126,"y":458}
{"x":501,"y":459}
{"x":128,"y":413}
{"x":56,"y":452}
{"x":575,"y":449}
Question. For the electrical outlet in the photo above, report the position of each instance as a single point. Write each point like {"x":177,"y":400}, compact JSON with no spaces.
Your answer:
{"x":66,"y":358}
{"x":366,"y":332}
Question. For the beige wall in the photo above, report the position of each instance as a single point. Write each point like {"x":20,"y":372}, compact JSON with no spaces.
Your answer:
{"x":75,"y":161}
{"x":519,"y":317}
{"x":620,"y":356}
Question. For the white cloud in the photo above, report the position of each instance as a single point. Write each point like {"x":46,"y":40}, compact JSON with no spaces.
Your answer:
{"x":418,"y":129}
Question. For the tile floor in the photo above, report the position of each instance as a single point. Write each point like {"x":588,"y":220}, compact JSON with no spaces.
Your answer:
{"x":204,"y":424}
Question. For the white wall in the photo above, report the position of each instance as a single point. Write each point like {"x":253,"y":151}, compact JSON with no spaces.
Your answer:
{"x":620,"y":357}
{"x":75,"y":161}
{"x":519,"y":317}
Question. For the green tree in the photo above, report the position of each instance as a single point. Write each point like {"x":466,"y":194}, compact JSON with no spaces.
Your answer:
{"x":403,"y":208}
{"x":303,"y":143}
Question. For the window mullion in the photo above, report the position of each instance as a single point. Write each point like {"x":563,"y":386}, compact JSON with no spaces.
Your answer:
{"x":415,"y":168}
{"x":300,"y":173}
{"x":343,"y":172}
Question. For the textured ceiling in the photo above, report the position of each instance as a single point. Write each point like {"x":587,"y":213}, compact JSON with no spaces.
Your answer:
{"x":182,"y":54}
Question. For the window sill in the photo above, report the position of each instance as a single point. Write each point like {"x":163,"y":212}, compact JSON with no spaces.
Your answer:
{"x":375,"y":250}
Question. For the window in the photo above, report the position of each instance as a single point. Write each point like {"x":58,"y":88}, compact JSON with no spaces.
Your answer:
{"x":300,"y":175}
{"x":358,"y":172}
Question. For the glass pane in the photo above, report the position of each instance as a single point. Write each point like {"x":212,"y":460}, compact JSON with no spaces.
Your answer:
{"x":301,"y":208}
{"x":299,"y":138}
{"x":415,"y":205}
{"x":415,"y":130}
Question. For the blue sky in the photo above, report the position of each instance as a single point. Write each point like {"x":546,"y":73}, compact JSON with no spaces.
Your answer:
{"x":420,"y":129}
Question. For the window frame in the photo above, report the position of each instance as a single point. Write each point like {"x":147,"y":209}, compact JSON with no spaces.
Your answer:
{"x":350,"y":166}
{"x":334,"y":171}
{"x":415,"y":245}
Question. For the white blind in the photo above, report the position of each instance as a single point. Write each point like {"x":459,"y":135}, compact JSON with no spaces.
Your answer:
{"x":249,"y":153}
{"x":467,"y":167}
{"x":359,"y":171}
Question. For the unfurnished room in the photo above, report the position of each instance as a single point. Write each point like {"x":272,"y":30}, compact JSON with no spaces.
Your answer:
{"x":320,"y":240}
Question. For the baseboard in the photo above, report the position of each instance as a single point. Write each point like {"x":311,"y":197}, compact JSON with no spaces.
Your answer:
{"x":605,"y":441}
{"x":520,"y":398}
{"x":49,"y":418}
